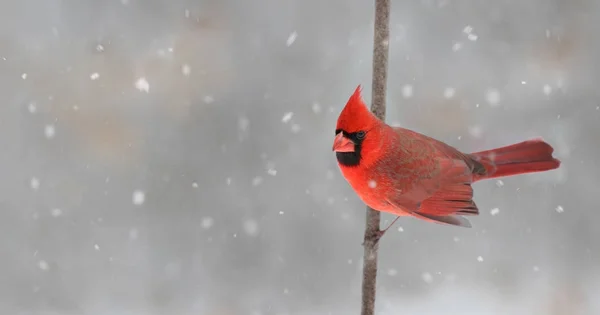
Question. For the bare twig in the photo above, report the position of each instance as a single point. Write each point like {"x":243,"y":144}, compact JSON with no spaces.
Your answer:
{"x":372,"y":232}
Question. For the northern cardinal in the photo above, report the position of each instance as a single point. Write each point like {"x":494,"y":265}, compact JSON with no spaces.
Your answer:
{"x":406,"y":173}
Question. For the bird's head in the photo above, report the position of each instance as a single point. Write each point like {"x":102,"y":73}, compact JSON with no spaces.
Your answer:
{"x":355,"y":132}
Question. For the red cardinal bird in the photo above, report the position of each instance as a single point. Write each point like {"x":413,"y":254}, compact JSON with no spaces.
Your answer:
{"x":403,"y":172}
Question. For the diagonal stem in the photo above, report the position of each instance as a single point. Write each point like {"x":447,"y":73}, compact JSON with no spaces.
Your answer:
{"x":378,"y":95}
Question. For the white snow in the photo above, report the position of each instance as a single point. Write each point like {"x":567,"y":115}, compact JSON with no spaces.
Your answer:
{"x":49,"y":131}
{"x":499,"y":183}
{"x":243,"y":123}
{"x":186,"y":70}
{"x":24,"y":76}
{"x":547,"y":89}
{"x":251,"y":227}
{"x":392,"y":272}
{"x":287,"y":117}
{"x":475,"y":131}
{"x":457,"y":46}
{"x":492,"y":96}
{"x":472,"y":37}
{"x":94,"y":76}
{"x":34,"y":183}
{"x":56,"y":212}
{"x":407,"y":91}
{"x":257,"y":181}
{"x":138,"y":197}
{"x":295,"y":128}
{"x":480,"y":259}
{"x":494,"y":211}
{"x":142,"y":85}
{"x":560,"y":209}
{"x":427,"y":277}
{"x":316,"y":108}
{"x":449,"y":92}
{"x":372,"y":183}
{"x":208,"y":99}
{"x":32,"y":108}
{"x":43,"y":265}
{"x":207,"y":222}
{"x":291,"y":39}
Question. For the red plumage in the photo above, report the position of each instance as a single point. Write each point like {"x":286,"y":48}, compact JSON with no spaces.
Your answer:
{"x":406,"y":173}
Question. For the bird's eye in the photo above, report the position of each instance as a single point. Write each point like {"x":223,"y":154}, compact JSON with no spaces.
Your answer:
{"x":360,"y":135}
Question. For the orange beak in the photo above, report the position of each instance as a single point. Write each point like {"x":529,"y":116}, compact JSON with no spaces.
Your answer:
{"x":342,"y":144}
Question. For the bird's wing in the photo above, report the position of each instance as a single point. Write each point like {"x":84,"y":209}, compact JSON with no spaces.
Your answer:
{"x":441,"y":148}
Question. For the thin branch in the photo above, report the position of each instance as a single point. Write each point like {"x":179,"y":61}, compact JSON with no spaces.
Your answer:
{"x":379,"y":85}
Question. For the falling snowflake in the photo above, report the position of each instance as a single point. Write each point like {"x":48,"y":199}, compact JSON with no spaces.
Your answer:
{"x":392,"y":272}
{"x":291,"y":39}
{"x":316,"y":108}
{"x":24,"y":76}
{"x":49,"y":131}
{"x":43,"y":265}
{"x":56,"y":212}
{"x":547,"y":89}
{"x":475,"y":131}
{"x":32,"y":108}
{"x":186,"y":70}
{"x":195,"y":185}
{"x":560,"y":209}
{"x":499,"y":183}
{"x":479,"y":259}
{"x":449,"y":92}
{"x":251,"y":227}
{"x":295,"y":128}
{"x":34,"y":183}
{"x":495,"y":211}
{"x":427,"y":277}
{"x":243,"y":123}
{"x":208,"y":99}
{"x":492,"y":96}
{"x":142,"y":85}
{"x":287,"y":117}
{"x":138,"y":197}
{"x":407,"y":91}
{"x":94,"y":76}
{"x":257,"y":181}
{"x":372,"y":183}
{"x":207,"y":222}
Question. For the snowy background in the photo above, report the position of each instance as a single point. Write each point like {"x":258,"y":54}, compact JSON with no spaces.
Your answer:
{"x":174,"y":157}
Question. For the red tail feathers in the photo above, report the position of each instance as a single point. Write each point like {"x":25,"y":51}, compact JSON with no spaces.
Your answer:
{"x":520,"y":158}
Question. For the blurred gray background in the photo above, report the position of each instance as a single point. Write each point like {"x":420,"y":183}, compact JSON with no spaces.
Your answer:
{"x":174,"y":157}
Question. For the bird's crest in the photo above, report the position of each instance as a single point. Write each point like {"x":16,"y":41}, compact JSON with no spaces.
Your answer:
{"x":355,"y":116}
